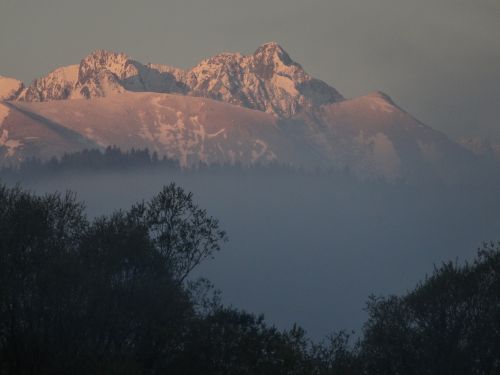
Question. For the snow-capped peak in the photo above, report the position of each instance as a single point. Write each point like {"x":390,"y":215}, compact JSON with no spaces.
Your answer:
{"x":273,"y":54}
{"x":101,"y":74}
{"x":99,"y":60}
{"x":56,"y":85}
{"x":267,"y":80}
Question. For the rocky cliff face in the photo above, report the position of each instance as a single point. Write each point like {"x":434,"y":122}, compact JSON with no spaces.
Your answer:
{"x":268,"y":80}
{"x":57,"y":85}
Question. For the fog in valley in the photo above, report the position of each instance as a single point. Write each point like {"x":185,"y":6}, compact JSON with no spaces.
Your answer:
{"x":304,"y":247}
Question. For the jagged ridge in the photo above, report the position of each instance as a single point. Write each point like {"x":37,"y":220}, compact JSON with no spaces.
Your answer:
{"x":268,"y":80}
{"x":273,"y":111}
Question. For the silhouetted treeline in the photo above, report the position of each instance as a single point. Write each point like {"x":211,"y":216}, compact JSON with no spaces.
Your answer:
{"x":111,"y":296}
{"x":108,"y":296}
{"x":114,"y":159}
{"x":111,"y":158}
{"x":449,"y":324}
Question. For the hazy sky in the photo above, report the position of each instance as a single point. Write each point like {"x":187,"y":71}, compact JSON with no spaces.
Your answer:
{"x":439,"y":59}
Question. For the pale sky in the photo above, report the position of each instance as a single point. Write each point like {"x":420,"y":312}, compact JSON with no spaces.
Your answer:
{"x":438,"y":59}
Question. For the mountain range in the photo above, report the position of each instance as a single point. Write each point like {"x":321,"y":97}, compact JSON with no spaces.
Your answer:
{"x":230,"y":108}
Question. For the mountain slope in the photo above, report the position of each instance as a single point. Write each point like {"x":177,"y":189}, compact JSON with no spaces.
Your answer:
{"x":369,"y":135}
{"x":268,"y":80}
{"x":229,"y":108}
{"x":189,"y":129}
{"x":25,"y":134}
{"x":377,"y":137}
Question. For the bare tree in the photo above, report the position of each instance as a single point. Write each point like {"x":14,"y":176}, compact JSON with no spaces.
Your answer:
{"x":182,"y":232}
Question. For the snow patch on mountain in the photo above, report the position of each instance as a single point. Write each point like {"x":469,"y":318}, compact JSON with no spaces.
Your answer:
{"x":5,"y":142}
{"x":10,"y":144}
{"x":189,"y":129}
{"x":10,"y":88}
{"x":4,"y":112}
{"x":381,"y":102}
{"x":376,"y":156}
{"x":261,"y":151}
{"x":183,"y":136}
{"x":385,"y":157}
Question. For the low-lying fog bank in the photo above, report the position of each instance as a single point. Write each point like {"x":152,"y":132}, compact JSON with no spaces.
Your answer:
{"x":309,"y":248}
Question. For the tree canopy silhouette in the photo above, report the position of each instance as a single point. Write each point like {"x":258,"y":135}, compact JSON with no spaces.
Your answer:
{"x":449,"y":324}
{"x":181,"y":232}
{"x":102,"y":296}
{"x":112,"y":296}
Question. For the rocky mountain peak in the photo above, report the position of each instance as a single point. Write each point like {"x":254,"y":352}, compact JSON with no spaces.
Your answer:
{"x":102,"y":59}
{"x":267,"y":80}
{"x":57,"y":85}
{"x":103,"y":56}
{"x":272,"y":49}
{"x":271,"y":59}
{"x":273,"y":54}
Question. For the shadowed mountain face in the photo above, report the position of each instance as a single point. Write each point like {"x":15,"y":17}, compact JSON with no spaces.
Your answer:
{"x":230,"y":108}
